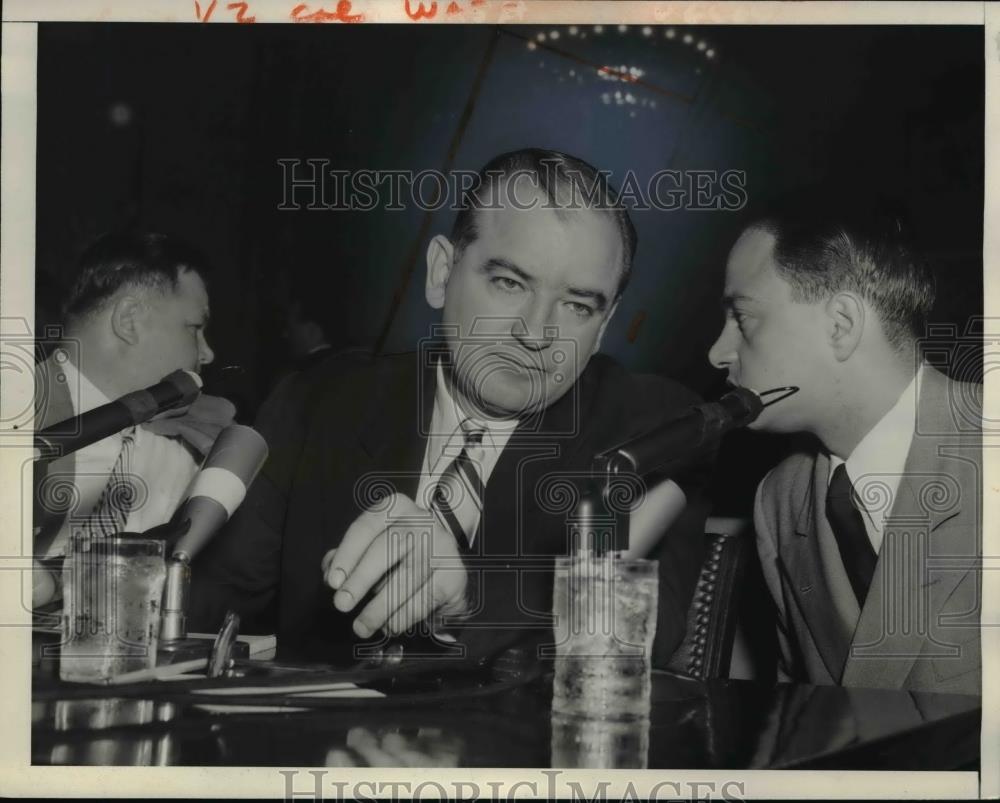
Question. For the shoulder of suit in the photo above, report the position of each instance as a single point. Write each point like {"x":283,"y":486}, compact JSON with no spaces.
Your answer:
{"x":52,"y":403}
{"x":336,"y":371}
{"x":787,"y":481}
{"x":948,"y":406}
{"x":962,"y":392}
{"x":639,"y":392}
{"x":617,"y":404}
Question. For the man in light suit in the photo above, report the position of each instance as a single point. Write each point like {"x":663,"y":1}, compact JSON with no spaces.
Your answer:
{"x":137,"y":311}
{"x":869,"y":541}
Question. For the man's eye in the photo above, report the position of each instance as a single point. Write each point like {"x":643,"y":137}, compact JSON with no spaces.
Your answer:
{"x":580,"y":309}
{"x":506,"y":283}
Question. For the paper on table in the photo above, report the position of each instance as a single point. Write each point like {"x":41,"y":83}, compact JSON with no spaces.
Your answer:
{"x":337,"y":689}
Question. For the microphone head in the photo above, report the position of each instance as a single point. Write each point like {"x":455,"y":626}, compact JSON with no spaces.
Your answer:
{"x":743,"y":405}
{"x":187,"y":383}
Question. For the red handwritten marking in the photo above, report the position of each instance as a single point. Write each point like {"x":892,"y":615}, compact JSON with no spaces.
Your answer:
{"x":208,"y":11}
{"x":478,"y":2}
{"x":428,"y":12}
{"x":636,"y":325}
{"x":342,"y":14}
{"x":454,"y":8}
{"x":241,"y":10}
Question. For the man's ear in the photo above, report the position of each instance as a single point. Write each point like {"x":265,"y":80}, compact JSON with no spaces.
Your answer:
{"x":440,"y":254}
{"x":126,"y":318}
{"x":845,"y":323}
{"x":604,"y":326}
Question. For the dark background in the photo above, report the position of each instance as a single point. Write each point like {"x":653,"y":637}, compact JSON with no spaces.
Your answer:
{"x":180,"y":128}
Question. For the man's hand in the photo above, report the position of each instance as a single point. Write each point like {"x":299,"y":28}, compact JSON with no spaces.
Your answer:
{"x":198,"y":424}
{"x":387,"y":747}
{"x":44,"y":585}
{"x":408,"y":556}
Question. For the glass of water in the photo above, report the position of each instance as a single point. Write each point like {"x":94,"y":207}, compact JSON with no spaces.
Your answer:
{"x":592,"y":743}
{"x":111,"y":606}
{"x":605,"y":620}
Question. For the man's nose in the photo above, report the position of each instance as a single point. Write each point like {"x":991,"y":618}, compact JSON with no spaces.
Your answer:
{"x":723,"y":351}
{"x":535,"y":330}
{"x":205,"y":353}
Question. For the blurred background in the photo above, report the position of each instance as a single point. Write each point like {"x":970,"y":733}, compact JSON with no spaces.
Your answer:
{"x":180,"y":128}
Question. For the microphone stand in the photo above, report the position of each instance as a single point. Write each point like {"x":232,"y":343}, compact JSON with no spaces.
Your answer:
{"x":599,"y":524}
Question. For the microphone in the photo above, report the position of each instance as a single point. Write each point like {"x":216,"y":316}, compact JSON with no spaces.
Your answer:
{"x":175,"y":390}
{"x":693,"y":434}
{"x":219,"y":488}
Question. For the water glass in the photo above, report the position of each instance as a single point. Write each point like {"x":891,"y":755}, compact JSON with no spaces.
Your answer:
{"x":605,"y":620}
{"x":111,"y":606}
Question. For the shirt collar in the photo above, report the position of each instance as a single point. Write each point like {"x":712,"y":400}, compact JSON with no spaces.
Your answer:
{"x":449,"y":415}
{"x":884,"y":449}
{"x":84,"y":394}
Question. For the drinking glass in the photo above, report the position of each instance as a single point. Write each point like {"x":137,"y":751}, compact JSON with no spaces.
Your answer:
{"x":111,"y":606}
{"x":605,"y":620}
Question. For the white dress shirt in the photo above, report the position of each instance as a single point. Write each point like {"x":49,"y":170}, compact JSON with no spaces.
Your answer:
{"x":163,"y":465}
{"x":876,"y":465}
{"x":446,"y":440}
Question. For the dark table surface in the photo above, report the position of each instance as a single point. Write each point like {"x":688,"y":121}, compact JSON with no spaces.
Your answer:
{"x":476,"y":720}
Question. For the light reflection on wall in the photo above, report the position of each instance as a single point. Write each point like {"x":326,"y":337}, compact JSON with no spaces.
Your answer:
{"x":658,"y":37}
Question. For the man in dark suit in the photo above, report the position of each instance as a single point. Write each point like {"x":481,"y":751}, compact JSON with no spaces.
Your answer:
{"x":307,"y":332}
{"x":426,"y":492}
{"x":869,"y":541}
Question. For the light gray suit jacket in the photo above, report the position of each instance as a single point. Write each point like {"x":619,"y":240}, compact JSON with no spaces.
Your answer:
{"x":919,"y":628}
{"x":54,"y":500}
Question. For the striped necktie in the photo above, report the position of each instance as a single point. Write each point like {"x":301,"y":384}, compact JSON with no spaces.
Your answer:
{"x":458,"y":495}
{"x":111,"y":511}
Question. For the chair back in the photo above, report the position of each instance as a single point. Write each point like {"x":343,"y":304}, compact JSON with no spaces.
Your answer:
{"x":707,"y":647}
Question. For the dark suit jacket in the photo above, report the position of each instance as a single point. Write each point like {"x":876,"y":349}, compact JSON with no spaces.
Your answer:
{"x":919,"y":628}
{"x":364,"y":431}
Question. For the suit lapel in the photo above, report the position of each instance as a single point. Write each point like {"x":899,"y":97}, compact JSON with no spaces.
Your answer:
{"x":56,"y":403}
{"x":905,"y":597}
{"x":815,"y":577}
{"x":394,"y":434}
{"x":52,"y":407}
{"x":537,"y":450}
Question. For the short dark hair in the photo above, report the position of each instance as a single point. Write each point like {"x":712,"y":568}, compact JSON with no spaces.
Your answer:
{"x":555,"y":173}
{"x":136,"y":259}
{"x":829,"y":241}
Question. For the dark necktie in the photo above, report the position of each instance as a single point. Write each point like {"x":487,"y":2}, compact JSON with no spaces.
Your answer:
{"x":458,"y":495}
{"x":849,"y":528}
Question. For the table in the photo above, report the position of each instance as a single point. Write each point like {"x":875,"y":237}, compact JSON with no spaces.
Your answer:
{"x":469,"y":720}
